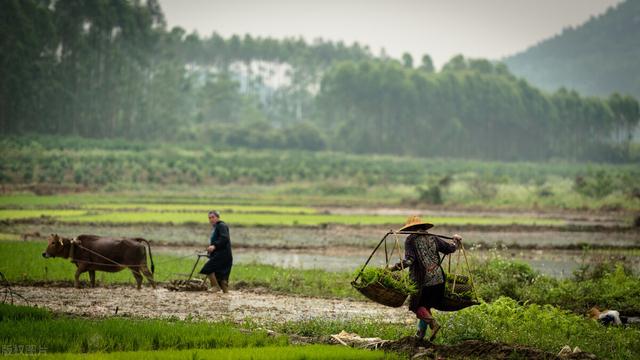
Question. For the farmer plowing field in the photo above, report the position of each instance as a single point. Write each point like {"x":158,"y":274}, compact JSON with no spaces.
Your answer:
{"x":218,"y":268}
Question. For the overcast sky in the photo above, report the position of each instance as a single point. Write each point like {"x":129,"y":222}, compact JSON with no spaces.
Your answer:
{"x":441,"y":28}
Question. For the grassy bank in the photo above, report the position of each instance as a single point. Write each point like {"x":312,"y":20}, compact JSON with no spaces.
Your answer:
{"x":608,"y":286}
{"x":257,"y":219}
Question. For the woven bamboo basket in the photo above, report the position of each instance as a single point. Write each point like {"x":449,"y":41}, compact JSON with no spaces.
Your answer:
{"x":382,"y":295}
{"x":376,"y":290}
{"x":459,"y":291}
{"x":452,"y":303}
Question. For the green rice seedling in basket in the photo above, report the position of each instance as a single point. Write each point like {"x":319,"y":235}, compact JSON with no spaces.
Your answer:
{"x":397,"y":280}
{"x":385,"y":287}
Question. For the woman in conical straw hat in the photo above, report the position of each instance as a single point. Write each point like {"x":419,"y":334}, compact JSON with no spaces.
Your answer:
{"x":423,"y":260}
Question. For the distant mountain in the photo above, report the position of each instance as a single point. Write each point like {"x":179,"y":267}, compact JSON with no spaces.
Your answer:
{"x":600,"y":57}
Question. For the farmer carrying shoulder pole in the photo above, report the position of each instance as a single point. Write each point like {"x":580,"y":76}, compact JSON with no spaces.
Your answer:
{"x":423,"y":260}
{"x":220,"y":261}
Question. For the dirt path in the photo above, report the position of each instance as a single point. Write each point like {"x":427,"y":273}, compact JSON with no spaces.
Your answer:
{"x":238,"y":305}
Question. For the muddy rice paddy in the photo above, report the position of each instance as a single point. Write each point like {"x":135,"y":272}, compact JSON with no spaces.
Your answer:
{"x":238,"y":305}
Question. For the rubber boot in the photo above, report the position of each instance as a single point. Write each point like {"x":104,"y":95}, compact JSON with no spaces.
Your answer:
{"x":224,"y":285}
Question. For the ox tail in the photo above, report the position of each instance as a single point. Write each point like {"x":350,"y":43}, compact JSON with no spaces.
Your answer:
{"x":153,"y":267}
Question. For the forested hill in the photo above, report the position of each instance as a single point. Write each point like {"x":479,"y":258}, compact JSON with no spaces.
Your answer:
{"x":111,"y":69}
{"x":599,"y":57}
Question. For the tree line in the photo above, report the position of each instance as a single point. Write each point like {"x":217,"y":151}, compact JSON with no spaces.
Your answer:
{"x":471,"y":107}
{"x":112,"y":69}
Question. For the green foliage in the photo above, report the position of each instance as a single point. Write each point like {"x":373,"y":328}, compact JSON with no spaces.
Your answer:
{"x":275,"y":218}
{"x":459,"y":287}
{"x":615,"y":288}
{"x":596,"y":185}
{"x":608,"y":286}
{"x":121,"y":334}
{"x":503,"y":278}
{"x":60,"y":164}
{"x":504,"y":320}
{"x":311,"y":352}
{"x":16,"y":313}
{"x":471,"y":109}
{"x":544,"y":327}
{"x":114,"y":70}
{"x":430,"y":195}
{"x":482,"y":189}
{"x":397,"y":280}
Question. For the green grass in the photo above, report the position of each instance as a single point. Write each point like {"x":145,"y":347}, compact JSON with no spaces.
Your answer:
{"x":320,"y":352}
{"x":133,"y":203}
{"x":22,"y":261}
{"x":258,"y":219}
{"x":20,"y":326}
{"x":32,"y":214}
{"x":204,"y":208}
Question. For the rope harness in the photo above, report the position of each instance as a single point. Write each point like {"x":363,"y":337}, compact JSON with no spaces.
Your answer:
{"x":74,"y":243}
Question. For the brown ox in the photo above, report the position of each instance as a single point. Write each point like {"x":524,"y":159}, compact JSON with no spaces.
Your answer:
{"x":91,"y":253}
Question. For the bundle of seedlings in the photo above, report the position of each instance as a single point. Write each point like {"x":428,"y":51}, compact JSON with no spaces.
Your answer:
{"x":397,"y":280}
{"x":384,"y":286}
{"x":458,"y":287}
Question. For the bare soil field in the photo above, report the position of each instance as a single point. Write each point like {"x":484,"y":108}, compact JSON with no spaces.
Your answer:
{"x":238,"y":305}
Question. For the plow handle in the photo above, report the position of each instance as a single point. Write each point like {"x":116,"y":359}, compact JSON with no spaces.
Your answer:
{"x":196,"y":264}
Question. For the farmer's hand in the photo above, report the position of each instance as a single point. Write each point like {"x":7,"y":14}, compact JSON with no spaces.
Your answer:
{"x":211,"y":248}
{"x":457,"y":239}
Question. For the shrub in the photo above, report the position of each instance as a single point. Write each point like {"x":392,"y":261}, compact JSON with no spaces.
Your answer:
{"x":503,"y":278}
{"x":595,"y":185}
{"x":431,"y":195}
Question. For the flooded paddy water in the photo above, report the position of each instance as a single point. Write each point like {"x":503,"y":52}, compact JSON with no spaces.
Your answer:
{"x":553,"y":253}
{"x":556,"y":263}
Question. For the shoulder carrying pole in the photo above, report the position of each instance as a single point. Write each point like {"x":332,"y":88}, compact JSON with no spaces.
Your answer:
{"x":385,"y":237}
{"x":423,"y":233}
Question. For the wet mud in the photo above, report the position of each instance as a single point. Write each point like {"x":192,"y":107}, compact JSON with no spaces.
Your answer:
{"x":256,"y":305}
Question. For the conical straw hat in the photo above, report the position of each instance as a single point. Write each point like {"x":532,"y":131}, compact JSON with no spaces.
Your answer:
{"x":414,"y":223}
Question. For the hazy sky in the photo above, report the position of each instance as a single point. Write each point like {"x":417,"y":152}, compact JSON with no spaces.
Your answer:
{"x":442,"y":28}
